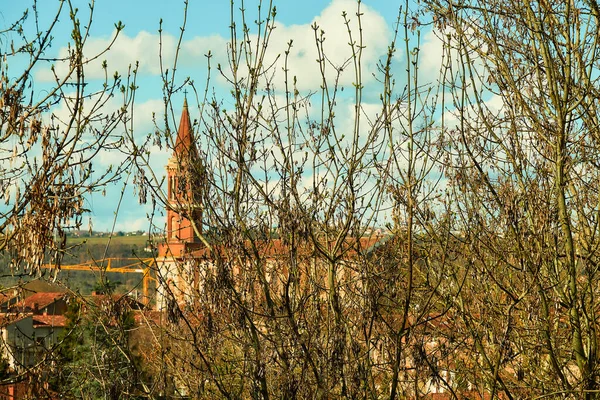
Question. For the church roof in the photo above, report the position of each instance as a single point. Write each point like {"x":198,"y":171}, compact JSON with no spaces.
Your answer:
{"x":184,"y":142}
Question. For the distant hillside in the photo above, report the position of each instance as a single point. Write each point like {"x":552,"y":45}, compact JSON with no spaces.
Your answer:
{"x":86,"y":249}
{"x":83,"y":249}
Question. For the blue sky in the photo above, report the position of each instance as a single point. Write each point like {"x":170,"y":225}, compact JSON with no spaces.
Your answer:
{"x":207,"y":29}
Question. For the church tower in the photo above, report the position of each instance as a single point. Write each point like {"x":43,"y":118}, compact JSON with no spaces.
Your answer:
{"x":184,"y":172}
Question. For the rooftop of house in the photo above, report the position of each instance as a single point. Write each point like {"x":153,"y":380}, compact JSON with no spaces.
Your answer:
{"x":4,"y":297}
{"x":57,"y":321}
{"x":119,"y":300}
{"x":40,"y":300}
{"x":9,"y":319}
{"x":38,"y":321}
{"x":146,"y":317}
{"x":40,"y":286}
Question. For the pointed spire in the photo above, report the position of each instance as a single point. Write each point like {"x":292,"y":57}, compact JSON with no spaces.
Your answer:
{"x":184,"y":143}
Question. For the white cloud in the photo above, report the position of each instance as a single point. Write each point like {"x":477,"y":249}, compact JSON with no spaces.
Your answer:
{"x":302,"y":59}
{"x":127,"y":223}
{"x":432,"y":54}
{"x":441,"y":49}
{"x":494,"y":105}
{"x":145,"y":48}
{"x":143,"y":123}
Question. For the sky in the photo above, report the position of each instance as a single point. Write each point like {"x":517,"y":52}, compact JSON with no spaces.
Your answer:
{"x":207,"y":29}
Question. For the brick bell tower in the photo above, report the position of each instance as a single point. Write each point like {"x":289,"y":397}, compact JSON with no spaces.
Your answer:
{"x":184,"y":175}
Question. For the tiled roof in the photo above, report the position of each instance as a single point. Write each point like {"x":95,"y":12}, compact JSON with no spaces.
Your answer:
{"x":38,"y":320}
{"x":156,"y":318}
{"x":49,"y":320}
{"x":8,"y":319}
{"x":274,"y":248}
{"x":4,"y":297}
{"x":40,"y":286}
{"x":41,"y":299}
{"x":104,"y":299}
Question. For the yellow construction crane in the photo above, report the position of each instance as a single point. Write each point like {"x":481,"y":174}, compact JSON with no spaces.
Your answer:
{"x":140,"y":266}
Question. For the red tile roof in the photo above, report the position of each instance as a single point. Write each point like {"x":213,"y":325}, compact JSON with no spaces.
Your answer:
{"x":8,"y":319}
{"x":41,"y":299}
{"x":59,"y":321}
{"x":273,"y":248}
{"x":116,"y":299}
{"x":156,"y":318}
{"x":4,"y":297}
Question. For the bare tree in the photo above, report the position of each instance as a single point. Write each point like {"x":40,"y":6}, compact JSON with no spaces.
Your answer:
{"x":310,"y":272}
{"x":50,"y":134}
{"x":523,"y":148}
